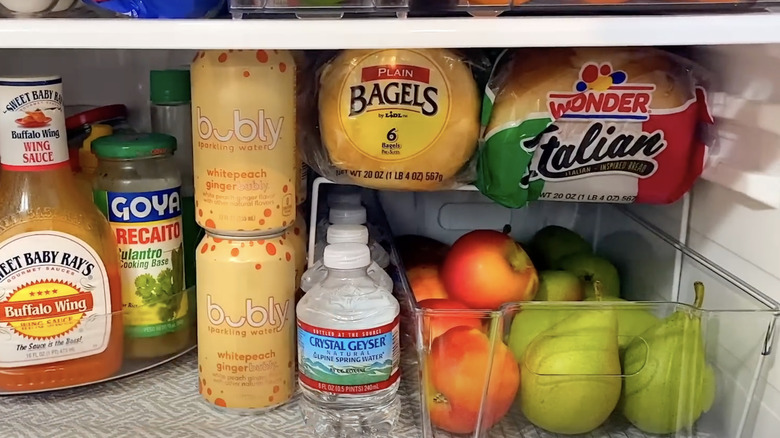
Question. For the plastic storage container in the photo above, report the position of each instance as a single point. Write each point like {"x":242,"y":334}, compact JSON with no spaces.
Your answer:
{"x":318,"y":8}
{"x":497,"y":7}
{"x":737,"y":321}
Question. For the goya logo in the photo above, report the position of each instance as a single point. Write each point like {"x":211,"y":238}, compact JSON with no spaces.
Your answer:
{"x":143,"y":206}
{"x":45,"y":309}
{"x":602,"y":93}
{"x":401,"y":86}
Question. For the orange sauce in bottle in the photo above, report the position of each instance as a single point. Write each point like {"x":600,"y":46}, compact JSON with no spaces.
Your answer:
{"x":60,"y":292}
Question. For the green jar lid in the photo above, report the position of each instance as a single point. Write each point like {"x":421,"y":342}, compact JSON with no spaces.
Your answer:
{"x":133,"y":145}
{"x":168,"y":87}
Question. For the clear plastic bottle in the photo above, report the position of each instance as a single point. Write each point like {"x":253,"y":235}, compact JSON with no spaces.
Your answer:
{"x":171,"y":113}
{"x":345,"y":234}
{"x":348,"y":349}
{"x":349,"y":214}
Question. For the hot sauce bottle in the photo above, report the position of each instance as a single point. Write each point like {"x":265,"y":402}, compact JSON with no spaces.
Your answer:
{"x":60,"y":293}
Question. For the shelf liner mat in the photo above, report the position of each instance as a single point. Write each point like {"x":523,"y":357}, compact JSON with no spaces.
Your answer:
{"x":162,"y":402}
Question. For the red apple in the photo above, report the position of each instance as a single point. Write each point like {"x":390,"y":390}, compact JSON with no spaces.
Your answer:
{"x":436,"y":324}
{"x":425,"y":282}
{"x":462,"y":380}
{"x":486,"y":268}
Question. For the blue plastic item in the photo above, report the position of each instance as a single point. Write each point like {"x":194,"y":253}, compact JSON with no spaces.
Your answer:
{"x":160,"y":8}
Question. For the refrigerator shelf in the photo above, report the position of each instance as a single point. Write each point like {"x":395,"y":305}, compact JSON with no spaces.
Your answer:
{"x":315,"y":34}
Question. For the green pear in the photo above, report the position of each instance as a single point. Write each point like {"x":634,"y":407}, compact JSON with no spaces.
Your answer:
{"x":529,"y":322}
{"x":552,"y":243}
{"x":570,"y":373}
{"x":668,"y":384}
{"x":590,"y":268}
{"x":558,"y":286}
{"x":632,"y":322}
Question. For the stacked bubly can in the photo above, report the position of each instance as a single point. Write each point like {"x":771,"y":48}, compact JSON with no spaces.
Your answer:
{"x":247,"y":187}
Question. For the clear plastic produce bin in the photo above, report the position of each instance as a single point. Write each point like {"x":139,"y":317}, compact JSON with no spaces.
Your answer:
{"x":318,"y":8}
{"x":498,"y":7}
{"x":467,"y":387}
{"x":10,"y":384}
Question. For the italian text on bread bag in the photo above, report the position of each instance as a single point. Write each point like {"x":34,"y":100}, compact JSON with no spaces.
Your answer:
{"x":592,"y":125}
{"x":397,"y":119}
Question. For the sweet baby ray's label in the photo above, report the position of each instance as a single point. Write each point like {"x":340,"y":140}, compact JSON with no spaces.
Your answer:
{"x":603,"y":140}
{"x":348,"y":361}
{"x":32,"y":126}
{"x":245,"y":157}
{"x":55,"y":302}
{"x":246,"y":321}
{"x":148,"y":231}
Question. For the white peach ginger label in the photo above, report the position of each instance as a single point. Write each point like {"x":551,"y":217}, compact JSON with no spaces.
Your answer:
{"x":32,"y":125}
{"x":55,"y":300}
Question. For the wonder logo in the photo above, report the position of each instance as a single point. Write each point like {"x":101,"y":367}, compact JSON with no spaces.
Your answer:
{"x":602,"y":93}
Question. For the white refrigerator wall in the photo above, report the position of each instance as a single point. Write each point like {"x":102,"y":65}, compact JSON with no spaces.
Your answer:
{"x":734,"y":219}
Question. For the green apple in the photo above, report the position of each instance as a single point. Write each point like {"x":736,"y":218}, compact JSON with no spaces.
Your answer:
{"x":552,"y":243}
{"x":559,"y":286}
{"x":590,"y":268}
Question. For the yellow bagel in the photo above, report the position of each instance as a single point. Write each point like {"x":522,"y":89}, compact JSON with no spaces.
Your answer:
{"x":399,"y":119}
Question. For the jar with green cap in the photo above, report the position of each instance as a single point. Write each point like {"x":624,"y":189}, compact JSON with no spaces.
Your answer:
{"x":138,"y":189}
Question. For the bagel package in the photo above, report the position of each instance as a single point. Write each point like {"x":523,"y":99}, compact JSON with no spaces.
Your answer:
{"x":398,"y":119}
{"x":592,"y":125}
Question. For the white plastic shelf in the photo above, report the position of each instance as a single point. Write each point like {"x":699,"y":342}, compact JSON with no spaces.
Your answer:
{"x":646,"y":30}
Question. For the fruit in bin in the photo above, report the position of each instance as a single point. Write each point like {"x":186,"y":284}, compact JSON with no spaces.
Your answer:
{"x":559,"y":286}
{"x":486,"y":268}
{"x":417,"y":250}
{"x":552,"y":243}
{"x":530,"y":322}
{"x":590,"y":268}
{"x":632,"y":322}
{"x":571,"y":373}
{"x":425,"y":282}
{"x":435,"y":325}
{"x":320,"y":3}
{"x":456,"y":375}
{"x":668,"y":383}
{"x":497,"y":2}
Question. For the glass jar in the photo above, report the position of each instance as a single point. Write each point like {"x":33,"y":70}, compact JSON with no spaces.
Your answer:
{"x":137,"y":187}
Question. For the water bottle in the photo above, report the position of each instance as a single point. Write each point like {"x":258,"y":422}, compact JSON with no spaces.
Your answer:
{"x":345,"y":234}
{"x":349,"y":214}
{"x":348,"y":349}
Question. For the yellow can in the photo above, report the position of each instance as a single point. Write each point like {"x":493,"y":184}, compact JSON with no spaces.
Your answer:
{"x":244,"y":140}
{"x":246,"y":321}
{"x":298,"y":237}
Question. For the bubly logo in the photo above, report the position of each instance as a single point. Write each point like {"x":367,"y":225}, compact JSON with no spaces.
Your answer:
{"x":602,"y":93}
{"x":244,"y":129}
{"x":143,"y":206}
{"x":274,"y":314}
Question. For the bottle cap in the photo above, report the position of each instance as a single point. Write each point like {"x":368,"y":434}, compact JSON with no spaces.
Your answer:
{"x":345,"y":214}
{"x":347,"y":234}
{"x":346,"y":256}
{"x":133,"y":145}
{"x":344,"y":198}
{"x":169,"y":86}
{"x":87,"y":159}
